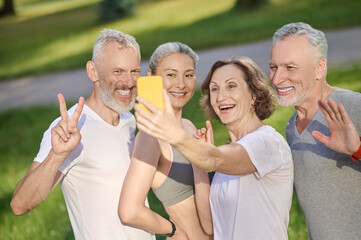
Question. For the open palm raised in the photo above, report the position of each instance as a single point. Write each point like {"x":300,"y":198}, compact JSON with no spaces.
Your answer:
{"x":343,"y":134}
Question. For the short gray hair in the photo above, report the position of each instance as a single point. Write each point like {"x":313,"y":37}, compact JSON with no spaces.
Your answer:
{"x":315,"y":37}
{"x":167,"y":49}
{"x":110,"y":35}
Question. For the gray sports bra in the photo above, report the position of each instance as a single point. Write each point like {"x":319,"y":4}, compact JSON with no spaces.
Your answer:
{"x":179,"y":183}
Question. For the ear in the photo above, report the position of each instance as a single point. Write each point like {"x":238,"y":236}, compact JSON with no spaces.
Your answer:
{"x":149,"y":73}
{"x":92,"y":71}
{"x":321,"y":69}
{"x":254,"y":98}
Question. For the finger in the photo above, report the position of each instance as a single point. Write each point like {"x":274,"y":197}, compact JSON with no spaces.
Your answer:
{"x":142,"y":127}
{"x":209,"y":136}
{"x":78,"y":109}
{"x":320,"y":137}
{"x":167,"y":103}
{"x":201,"y":134}
{"x":198,"y":133}
{"x":208,"y":124}
{"x":145,"y":128}
{"x":65,"y":127}
{"x":326,"y":108}
{"x":59,"y":131}
{"x":142,"y":116}
{"x":140,"y":112}
{"x":147,"y":104}
{"x":62,"y":107}
{"x":334,"y":109}
{"x":73,"y":120}
{"x":345,"y":118}
{"x":322,"y":105}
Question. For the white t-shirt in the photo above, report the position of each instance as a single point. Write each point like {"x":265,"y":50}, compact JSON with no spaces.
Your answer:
{"x":94,"y":174}
{"x":255,"y":206}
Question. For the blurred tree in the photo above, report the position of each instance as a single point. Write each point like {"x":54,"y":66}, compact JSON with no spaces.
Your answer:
{"x":249,"y":4}
{"x":115,"y":9}
{"x":8,"y":8}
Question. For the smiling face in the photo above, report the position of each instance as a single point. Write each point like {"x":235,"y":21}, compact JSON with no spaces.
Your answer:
{"x":294,"y":70}
{"x":230,"y":95}
{"x":118,"y":73}
{"x":178,"y":73}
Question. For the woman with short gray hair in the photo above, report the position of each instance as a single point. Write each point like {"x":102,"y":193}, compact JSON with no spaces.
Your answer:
{"x":158,"y":165}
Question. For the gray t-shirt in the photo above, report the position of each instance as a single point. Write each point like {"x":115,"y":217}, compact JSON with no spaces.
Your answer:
{"x":327,"y":183}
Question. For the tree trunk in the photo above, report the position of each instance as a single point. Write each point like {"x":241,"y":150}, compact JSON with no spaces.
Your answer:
{"x":8,"y":8}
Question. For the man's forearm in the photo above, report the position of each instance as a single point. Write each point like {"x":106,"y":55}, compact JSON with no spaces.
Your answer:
{"x":36,"y":185}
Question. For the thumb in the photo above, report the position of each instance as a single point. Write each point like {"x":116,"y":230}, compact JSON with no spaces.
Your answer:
{"x":209,"y":125}
{"x":320,"y":137}
{"x":209,"y":135}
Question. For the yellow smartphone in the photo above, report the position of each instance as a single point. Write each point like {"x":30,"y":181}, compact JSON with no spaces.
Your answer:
{"x":151,"y":89}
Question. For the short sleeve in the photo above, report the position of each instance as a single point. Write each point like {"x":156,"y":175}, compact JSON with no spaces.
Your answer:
{"x":45,"y":147}
{"x":265,"y":150}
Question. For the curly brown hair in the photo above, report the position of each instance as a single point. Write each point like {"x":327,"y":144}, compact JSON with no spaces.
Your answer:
{"x":264,"y":99}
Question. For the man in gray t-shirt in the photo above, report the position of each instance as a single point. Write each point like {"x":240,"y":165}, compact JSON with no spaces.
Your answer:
{"x":323,"y":133}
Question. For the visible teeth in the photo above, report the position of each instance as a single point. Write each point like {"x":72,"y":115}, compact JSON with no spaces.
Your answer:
{"x":178,"y":94}
{"x":123,"y":92}
{"x":284,"y":89}
{"x":226,"y":106}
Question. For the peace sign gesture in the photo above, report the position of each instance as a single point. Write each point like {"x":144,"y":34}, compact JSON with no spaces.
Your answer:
{"x":65,"y":136}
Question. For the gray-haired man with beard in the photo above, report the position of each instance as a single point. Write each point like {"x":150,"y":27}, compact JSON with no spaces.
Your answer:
{"x":323,"y":134}
{"x":88,"y":148}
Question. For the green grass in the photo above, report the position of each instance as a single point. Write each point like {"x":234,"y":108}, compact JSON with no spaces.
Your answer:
{"x":49,"y":36}
{"x":20,"y":134}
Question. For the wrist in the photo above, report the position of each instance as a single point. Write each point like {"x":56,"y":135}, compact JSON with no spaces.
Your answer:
{"x":171,"y":234}
{"x":56,"y":157}
{"x":356,"y":156}
{"x":181,"y":137}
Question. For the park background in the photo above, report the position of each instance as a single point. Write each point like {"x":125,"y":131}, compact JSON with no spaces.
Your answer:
{"x":55,"y":36}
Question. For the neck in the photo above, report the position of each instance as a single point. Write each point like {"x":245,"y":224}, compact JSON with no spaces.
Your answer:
{"x":307,"y":110}
{"x":178,"y":114}
{"x":107,"y":114}
{"x":243,"y":127}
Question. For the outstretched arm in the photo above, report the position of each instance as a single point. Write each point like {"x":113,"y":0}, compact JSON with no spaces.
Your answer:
{"x":228,"y":159}
{"x":343,"y":134}
{"x":42,"y":177}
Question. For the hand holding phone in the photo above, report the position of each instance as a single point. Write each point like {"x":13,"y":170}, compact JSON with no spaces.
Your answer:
{"x":151,"y":89}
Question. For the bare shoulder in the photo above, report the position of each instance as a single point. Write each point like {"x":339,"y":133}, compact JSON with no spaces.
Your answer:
{"x":146,"y":148}
{"x":145,"y":140}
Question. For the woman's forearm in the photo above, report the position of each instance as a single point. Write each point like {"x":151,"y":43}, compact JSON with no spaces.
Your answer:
{"x":144,"y":218}
{"x":202,"y":188}
{"x":202,"y":154}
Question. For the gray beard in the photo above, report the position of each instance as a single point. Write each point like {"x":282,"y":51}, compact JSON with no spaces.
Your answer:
{"x":297,"y":100}
{"x":107,"y":97}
